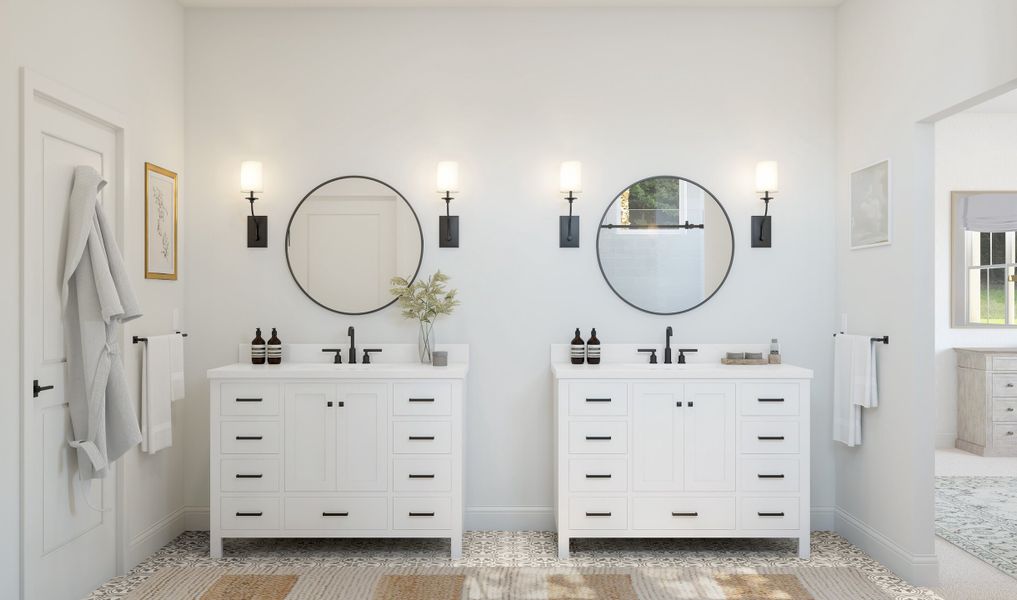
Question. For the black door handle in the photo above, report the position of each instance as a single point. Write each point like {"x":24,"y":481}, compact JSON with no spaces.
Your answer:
{"x":421,"y":514}
{"x":249,"y":437}
{"x":770,"y":399}
{"x":594,"y":476}
{"x":420,"y":399}
{"x":248,"y":399}
{"x":412,"y":476}
{"x":684,"y":514}
{"x":770,"y":437}
{"x":249,"y":514}
{"x":335,"y":514}
{"x":243,"y":476}
{"x":598,"y":514}
{"x":598,"y":438}
{"x":37,"y":389}
{"x":761,"y":476}
{"x":598,"y":399}
{"x":422,"y":438}
{"x":770,"y":514}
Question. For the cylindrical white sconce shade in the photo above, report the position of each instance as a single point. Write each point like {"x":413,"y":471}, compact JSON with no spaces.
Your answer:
{"x":571,"y":176}
{"x":766,"y":176}
{"x":447,"y":177}
{"x":250,"y":176}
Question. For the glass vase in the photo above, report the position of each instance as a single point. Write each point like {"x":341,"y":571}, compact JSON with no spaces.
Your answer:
{"x":425,"y":343}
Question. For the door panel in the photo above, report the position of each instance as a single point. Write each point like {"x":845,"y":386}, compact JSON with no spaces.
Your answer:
{"x":310,"y":421}
{"x":657,"y":437}
{"x":362,"y":442}
{"x":709,"y":437}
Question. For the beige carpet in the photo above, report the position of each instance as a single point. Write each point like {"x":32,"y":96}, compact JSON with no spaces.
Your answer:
{"x":469,"y":583}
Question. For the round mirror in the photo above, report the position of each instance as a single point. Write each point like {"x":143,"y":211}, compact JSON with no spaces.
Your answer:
{"x":665,"y":245}
{"x":348,"y":238}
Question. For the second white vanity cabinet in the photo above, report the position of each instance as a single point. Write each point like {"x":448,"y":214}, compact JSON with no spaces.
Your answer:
{"x":682,"y":451}
{"x":324,"y":451}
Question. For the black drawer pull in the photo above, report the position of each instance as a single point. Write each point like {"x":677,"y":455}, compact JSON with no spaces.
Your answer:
{"x":243,"y":476}
{"x":424,"y":438}
{"x":249,"y":437}
{"x":420,"y":399}
{"x":598,"y":438}
{"x":770,"y":399}
{"x":762,"y":476}
{"x":249,"y":399}
{"x":414,"y":476}
{"x":595,"y":476}
{"x":770,"y":514}
{"x":770,"y":437}
{"x":598,"y":514}
{"x":421,"y":514}
{"x":249,"y":514}
{"x":335,"y":514}
{"x":598,"y":399}
{"x":684,"y":514}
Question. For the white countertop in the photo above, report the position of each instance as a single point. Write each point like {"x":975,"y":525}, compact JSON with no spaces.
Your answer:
{"x":564,"y":370}
{"x":345,"y":371}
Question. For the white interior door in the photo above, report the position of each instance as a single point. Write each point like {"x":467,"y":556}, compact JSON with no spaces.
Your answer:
{"x":69,"y":548}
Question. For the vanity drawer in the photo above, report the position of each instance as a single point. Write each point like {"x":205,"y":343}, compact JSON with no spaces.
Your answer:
{"x":768,"y":399}
{"x":1004,"y":363}
{"x":249,"y":399}
{"x":1004,"y":436}
{"x":249,"y":475}
{"x":1004,"y":384}
{"x":768,"y":474}
{"x":598,"y":399}
{"x":598,"y":513}
{"x":249,"y":437}
{"x":422,"y":475}
{"x":769,"y":437}
{"x":598,"y":475}
{"x":769,"y":513}
{"x":249,"y":513}
{"x":421,"y":513}
{"x":1004,"y":410}
{"x":421,"y":437}
{"x":336,"y":513}
{"x":598,"y":437}
{"x":422,"y":399}
{"x":683,"y":513}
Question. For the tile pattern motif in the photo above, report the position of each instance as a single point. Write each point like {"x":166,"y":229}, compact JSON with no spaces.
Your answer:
{"x":514,"y":549}
{"x":979,"y":515}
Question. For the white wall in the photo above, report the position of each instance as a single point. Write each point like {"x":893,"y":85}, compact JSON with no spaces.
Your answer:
{"x":899,"y":63}
{"x":974,"y":151}
{"x":509,"y":94}
{"x":128,"y":55}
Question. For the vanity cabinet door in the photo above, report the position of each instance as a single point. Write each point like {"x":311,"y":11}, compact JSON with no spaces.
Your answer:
{"x":362,"y":441}
{"x":710,"y":437}
{"x":658,"y":434}
{"x":310,"y":441}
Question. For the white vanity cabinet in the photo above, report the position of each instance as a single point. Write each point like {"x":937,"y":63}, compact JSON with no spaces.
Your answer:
{"x":682,"y":451}
{"x":337,"y":451}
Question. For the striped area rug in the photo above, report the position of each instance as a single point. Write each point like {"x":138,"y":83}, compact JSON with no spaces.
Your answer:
{"x":468,"y":583}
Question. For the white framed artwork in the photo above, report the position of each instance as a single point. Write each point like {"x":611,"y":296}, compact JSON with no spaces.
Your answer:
{"x":870,"y":220}
{"x":160,"y":223}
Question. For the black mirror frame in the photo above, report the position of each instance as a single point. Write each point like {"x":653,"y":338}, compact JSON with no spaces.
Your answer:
{"x":293,"y":215}
{"x":600,"y":227}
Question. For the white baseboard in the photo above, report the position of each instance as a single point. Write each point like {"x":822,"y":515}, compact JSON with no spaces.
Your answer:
{"x":823,"y":518}
{"x":196,"y":518}
{"x":916,"y":569}
{"x":945,"y":440}
{"x":150,"y":540}
{"x":509,"y":518}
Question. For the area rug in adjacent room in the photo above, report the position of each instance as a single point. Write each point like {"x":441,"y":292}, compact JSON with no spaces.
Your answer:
{"x":505,"y":583}
{"x":979,"y":515}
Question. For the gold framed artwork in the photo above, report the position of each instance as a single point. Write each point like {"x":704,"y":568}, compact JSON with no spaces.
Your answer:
{"x":160,"y":223}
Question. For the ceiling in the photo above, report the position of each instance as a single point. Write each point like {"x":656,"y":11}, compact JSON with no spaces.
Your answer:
{"x":502,"y":3}
{"x":1007,"y":103}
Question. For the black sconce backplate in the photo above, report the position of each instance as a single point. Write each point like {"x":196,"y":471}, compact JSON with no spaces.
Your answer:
{"x":567,"y":225}
{"x":448,"y":232}
{"x":257,"y":231}
{"x":761,"y":232}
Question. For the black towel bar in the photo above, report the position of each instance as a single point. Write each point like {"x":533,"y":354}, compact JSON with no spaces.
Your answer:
{"x":136,"y":339}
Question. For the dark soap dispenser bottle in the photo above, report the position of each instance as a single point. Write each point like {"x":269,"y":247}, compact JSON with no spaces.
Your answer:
{"x":258,"y":348}
{"x":577,"y":349}
{"x":593,"y":348}
{"x":274,"y":350}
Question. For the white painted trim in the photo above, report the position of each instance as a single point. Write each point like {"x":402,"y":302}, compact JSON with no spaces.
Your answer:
{"x":155,"y":537}
{"x":196,"y":518}
{"x":510,"y":518}
{"x":916,"y":569}
{"x":945,"y":441}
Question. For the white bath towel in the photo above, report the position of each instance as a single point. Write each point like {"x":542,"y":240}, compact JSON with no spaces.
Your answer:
{"x":177,"y":366}
{"x":854,"y":386}
{"x":157,"y":394}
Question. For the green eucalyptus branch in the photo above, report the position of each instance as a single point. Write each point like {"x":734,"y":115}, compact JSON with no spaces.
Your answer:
{"x":425,"y":300}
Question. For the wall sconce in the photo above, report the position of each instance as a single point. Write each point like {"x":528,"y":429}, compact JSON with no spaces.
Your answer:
{"x":570,"y":180}
{"x":448,"y":182}
{"x":251,"y":182}
{"x":766,"y":183}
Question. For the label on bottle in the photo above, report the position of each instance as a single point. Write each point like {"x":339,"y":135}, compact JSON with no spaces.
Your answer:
{"x":577,"y":352}
{"x":274,"y":350}
{"x":258,"y":351}
{"x":593,"y":351}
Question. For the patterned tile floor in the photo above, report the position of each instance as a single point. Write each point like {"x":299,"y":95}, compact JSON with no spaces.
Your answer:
{"x":514,"y":549}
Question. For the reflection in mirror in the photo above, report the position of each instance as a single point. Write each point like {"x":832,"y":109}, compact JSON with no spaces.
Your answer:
{"x":665,"y":245}
{"x":346,"y":240}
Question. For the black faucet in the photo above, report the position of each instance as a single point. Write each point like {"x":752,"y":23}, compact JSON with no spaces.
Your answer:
{"x":653,"y":354}
{"x":667,"y":344}
{"x":338,"y":354}
{"x":353,"y":345}
{"x":681,"y":354}
{"x":367,"y":354}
